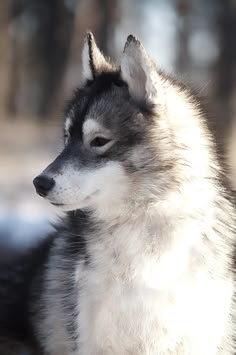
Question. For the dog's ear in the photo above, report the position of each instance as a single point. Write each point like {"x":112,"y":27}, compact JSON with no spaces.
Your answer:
{"x":138,"y":71}
{"x":93,"y":61}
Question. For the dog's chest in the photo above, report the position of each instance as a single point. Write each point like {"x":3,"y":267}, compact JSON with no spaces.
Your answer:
{"x":133,"y":302}
{"x":133,"y":318}
{"x":122,"y":311}
{"x":118,"y":318}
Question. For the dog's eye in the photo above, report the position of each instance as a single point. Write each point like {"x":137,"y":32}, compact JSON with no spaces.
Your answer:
{"x":99,"y":142}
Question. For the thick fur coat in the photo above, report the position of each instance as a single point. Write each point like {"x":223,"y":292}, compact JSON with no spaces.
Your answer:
{"x":142,"y":263}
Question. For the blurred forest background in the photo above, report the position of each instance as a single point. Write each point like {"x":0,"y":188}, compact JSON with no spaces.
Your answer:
{"x":40,"y":49}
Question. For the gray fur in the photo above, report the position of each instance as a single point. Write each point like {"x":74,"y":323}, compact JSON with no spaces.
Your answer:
{"x":143,"y":260}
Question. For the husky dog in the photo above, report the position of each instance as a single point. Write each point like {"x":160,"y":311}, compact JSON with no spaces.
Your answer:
{"x":142,"y":262}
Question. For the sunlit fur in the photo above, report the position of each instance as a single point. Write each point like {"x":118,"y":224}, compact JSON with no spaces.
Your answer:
{"x":231,"y":155}
{"x":142,"y":261}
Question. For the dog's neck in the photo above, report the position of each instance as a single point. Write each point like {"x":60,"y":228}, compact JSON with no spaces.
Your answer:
{"x":134,"y":243}
{"x":136,"y":238}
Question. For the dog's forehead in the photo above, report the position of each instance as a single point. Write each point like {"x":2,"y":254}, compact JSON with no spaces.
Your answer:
{"x":108,"y":104}
{"x":93,"y":113}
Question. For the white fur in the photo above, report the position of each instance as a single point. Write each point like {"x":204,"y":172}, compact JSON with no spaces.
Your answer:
{"x":125,"y":311}
{"x":148,"y":290}
{"x":153,"y":285}
{"x":86,"y":68}
{"x":139,"y":73}
{"x":68,"y":123}
{"x":97,"y":188}
{"x":231,"y":155}
{"x":92,"y":59}
{"x":145,"y":298}
{"x":91,"y":127}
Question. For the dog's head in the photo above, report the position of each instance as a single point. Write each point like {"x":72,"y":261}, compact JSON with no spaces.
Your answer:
{"x":115,"y":135}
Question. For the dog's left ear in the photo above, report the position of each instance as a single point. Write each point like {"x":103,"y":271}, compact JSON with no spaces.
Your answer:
{"x":93,"y":61}
{"x":138,"y":71}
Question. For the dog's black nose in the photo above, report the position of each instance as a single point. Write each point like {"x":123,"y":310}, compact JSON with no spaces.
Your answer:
{"x":43,"y":184}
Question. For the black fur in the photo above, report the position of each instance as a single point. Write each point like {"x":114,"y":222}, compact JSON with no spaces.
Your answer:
{"x":16,"y":276}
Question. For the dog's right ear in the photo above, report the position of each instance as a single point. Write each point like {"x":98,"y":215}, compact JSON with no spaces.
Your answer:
{"x":93,"y":61}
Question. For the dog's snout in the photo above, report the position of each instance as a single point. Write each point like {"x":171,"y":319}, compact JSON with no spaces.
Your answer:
{"x":43,"y":184}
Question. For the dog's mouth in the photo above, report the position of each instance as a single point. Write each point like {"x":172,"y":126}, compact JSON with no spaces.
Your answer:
{"x":65,"y":207}
{"x":57,"y":204}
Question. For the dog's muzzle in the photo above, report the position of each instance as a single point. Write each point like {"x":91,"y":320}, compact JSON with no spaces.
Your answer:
{"x":43,"y":184}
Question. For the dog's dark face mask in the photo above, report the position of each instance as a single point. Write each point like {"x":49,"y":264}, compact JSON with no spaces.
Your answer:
{"x":108,"y":130}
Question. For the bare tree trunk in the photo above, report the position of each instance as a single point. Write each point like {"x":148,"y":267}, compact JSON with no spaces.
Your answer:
{"x":108,"y":14}
{"x":4,"y":60}
{"x":182,"y":60}
{"x":41,"y":34}
{"x":226,"y":66}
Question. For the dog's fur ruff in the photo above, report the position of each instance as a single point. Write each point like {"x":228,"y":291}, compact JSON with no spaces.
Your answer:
{"x":142,"y":262}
